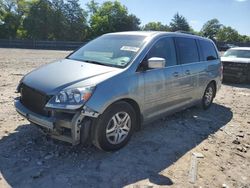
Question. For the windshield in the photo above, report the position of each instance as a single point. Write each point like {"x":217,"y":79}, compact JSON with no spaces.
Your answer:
{"x":237,"y":53}
{"x":110,"y":50}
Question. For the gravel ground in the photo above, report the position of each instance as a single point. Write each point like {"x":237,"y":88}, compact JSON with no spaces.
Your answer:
{"x":159,"y":155}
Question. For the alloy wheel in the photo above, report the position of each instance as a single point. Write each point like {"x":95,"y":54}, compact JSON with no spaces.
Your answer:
{"x":118,"y":128}
{"x":209,"y":94}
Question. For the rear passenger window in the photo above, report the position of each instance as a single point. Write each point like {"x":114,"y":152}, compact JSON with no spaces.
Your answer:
{"x":208,"y":50}
{"x":188,"y":52}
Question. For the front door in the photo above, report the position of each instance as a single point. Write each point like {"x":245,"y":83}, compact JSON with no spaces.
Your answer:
{"x":163,"y":86}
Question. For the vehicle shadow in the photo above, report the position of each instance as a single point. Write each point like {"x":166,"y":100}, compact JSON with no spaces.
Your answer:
{"x":29,"y":159}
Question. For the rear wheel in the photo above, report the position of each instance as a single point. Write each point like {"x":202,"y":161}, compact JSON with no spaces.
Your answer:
{"x":114,"y":127}
{"x":208,"y":96}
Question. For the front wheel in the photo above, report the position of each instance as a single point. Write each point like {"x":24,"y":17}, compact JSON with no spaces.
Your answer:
{"x":114,"y":127}
{"x":208,"y":96}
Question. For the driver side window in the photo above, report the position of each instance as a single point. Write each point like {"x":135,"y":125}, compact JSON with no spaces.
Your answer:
{"x":164,"y":48}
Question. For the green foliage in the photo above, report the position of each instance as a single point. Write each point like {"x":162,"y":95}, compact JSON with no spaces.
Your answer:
{"x":10,"y":25}
{"x":228,"y":34}
{"x":66,"y":20}
{"x":56,"y":20}
{"x":9,"y":19}
{"x":179,"y":23}
{"x":92,"y":7}
{"x":59,"y":20}
{"x":112,"y":17}
{"x":211,"y":28}
{"x":76,"y":21}
{"x":39,"y":23}
{"x":155,"y":26}
{"x":244,"y":38}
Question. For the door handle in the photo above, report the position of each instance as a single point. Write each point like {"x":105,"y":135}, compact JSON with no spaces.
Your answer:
{"x":175,"y":74}
{"x":187,"y":72}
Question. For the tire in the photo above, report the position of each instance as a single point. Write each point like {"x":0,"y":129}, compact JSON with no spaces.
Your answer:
{"x":114,"y":128}
{"x":208,"y":96}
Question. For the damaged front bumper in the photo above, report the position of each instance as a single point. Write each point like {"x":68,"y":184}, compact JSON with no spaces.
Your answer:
{"x":61,"y":125}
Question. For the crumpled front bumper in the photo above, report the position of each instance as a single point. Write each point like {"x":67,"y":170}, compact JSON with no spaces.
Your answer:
{"x":56,"y":126}
{"x":45,"y":122}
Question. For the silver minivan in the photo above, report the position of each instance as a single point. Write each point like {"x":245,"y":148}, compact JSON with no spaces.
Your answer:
{"x":108,"y":88}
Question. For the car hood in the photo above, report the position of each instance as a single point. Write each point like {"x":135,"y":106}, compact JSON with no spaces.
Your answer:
{"x":235,"y":59}
{"x":54,"y":77}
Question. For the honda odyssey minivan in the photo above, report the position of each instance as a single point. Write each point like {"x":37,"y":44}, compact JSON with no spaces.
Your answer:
{"x":111,"y":86}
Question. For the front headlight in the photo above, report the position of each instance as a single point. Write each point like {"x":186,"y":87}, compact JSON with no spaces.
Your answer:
{"x":71,"y":98}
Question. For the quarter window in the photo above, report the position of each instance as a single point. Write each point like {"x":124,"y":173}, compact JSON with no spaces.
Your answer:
{"x":208,"y":50}
{"x":188,"y":52}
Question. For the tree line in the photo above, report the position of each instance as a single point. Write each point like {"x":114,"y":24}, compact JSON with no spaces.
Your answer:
{"x":66,"y":20}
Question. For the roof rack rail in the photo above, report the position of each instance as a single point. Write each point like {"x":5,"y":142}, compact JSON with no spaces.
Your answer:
{"x":185,"y":32}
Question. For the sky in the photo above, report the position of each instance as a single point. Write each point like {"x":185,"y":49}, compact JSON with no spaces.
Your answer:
{"x":234,"y":13}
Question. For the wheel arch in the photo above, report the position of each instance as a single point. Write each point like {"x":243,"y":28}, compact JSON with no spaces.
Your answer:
{"x":95,"y":121}
{"x":135,"y":106}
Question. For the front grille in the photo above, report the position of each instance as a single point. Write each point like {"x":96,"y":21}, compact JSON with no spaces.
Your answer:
{"x":237,"y":72}
{"x":231,"y":66}
{"x":34,"y":100}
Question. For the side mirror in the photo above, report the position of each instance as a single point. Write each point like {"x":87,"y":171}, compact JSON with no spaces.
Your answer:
{"x":156,"y":63}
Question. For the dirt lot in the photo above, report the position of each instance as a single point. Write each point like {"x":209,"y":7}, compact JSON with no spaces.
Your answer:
{"x":159,"y":155}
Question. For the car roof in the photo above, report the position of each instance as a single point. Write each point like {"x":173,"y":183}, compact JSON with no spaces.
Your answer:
{"x":240,"y":48}
{"x":157,"y":33}
{"x":142,"y":33}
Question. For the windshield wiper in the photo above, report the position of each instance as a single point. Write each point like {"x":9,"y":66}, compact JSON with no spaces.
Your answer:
{"x":99,"y":63}
{"x":95,"y":62}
